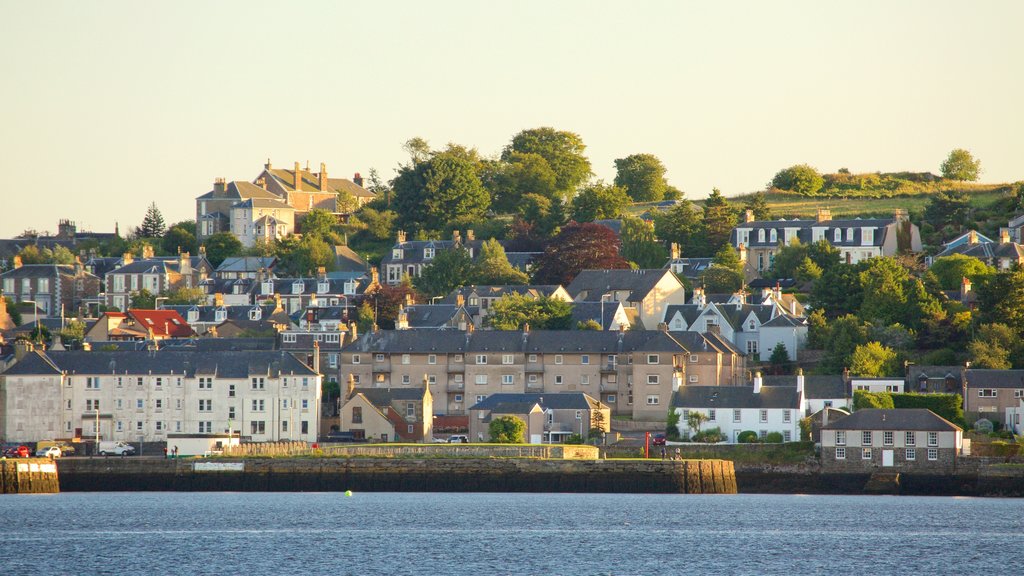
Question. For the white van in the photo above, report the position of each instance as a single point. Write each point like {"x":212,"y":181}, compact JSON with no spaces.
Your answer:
{"x":118,"y":448}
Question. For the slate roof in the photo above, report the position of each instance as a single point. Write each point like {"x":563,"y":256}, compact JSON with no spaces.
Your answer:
{"x":381,"y":397}
{"x":553,"y":401}
{"x":894,"y":419}
{"x":208,"y":314}
{"x":275,"y":203}
{"x":815,"y":387}
{"x":614,"y":224}
{"x":500,"y":290}
{"x":987,"y":251}
{"x":226,"y":364}
{"x":544,"y":341}
{"x":584,"y":311}
{"x":431,"y":315}
{"x":736,"y":397}
{"x":981,"y":378}
{"x":41,"y":271}
{"x":639,"y":283}
{"x":412,"y":250}
{"x":804,"y":231}
{"x":347,"y":260}
{"x":247,"y":264}
{"x":311,"y":183}
{"x":692,"y":268}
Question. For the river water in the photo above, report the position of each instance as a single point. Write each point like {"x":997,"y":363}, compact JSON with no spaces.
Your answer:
{"x":484,"y":534}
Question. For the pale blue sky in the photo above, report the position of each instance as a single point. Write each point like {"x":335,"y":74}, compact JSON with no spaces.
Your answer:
{"x":108,"y":106}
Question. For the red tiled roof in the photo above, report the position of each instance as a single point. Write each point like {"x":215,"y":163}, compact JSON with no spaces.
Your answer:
{"x":163,"y":323}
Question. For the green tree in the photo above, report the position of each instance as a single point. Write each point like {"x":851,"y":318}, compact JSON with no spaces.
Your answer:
{"x":364,"y":318}
{"x":73,"y":331}
{"x":863,"y":399}
{"x":948,"y":208}
{"x":996,"y":346}
{"x":185,"y":295}
{"x":520,"y":174}
{"x":721,"y":280}
{"x":319,"y":223}
{"x":845,"y":335}
{"x":960,"y":165}
{"x":801,"y":179}
{"x":807,"y":271}
{"x":694,"y":420}
{"x":824,"y":254}
{"x":642,"y":176}
{"x":507,"y":430}
{"x":589,"y":324}
{"x":951,"y":270}
{"x":873,"y":360}
{"x":779,"y":359}
{"x":180,"y":237}
{"x":1001,"y":299}
{"x":380,"y":224}
{"x":12,"y":311}
{"x":817,"y":330}
{"x":726,"y":257}
{"x":493,"y":267}
{"x":543,"y":215}
{"x":682,"y":225}
{"x":576,"y":248}
{"x":143,"y":299}
{"x":719,"y":219}
{"x":563,"y":152}
{"x":152,"y":224}
{"x":758,"y":204}
{"x":599,"y":201}
{"x":639,"y":245}
{"x":449,"y":270}
{"x":220,"y":246}
{"x":788,"y":259}
{"x":440,"y":191}
{"x":514,"y":311}
{"x":302,"y":257}
{"x":838,"y":291}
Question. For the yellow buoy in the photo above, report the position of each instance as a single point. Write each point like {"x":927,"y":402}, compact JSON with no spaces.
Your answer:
{"x":348,"y":492}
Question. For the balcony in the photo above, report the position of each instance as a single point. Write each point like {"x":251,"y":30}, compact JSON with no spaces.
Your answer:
{"x":609,"y":368}
{"x":535,"y":367}
{"x":456,"y":386}
{"x":456,"y":367}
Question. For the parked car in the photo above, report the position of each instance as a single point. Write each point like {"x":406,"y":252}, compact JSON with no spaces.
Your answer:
{"x":21,"y":451}
{"x":458,"y":439}
{"x":66,"y":449}
{"x":658,"y":440}
{"x":116,"y":447}
{"x":336,"y":436}
{"x":49,"y":452}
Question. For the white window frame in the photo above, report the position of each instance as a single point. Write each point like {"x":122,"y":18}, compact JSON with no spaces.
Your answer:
{"x":840,"y":453}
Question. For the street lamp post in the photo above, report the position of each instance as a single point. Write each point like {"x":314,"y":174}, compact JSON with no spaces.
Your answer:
{"x":156,"y":301}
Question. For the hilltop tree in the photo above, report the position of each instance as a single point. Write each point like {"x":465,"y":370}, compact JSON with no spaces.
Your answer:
{"x":948,"y":208}
{"x":152,"y":224}
{"x":642,"y":176}
{"x":682,"y":225}
{"x":719,"y":219}
{"x":302,"y":257}
{"x":450,"y":269}
{"x":493,"y":266}
{"x":519,"y":174}
{"x":801,"y":179}
{"x":640,"y":246}
{"x":220,"y":246}
{"x":960,"y":165}
{"x":598,"y":201}
{"x":435,"y":193}
{"x":563,"y":152}
{"x":576,"y":248}
{"x":758,"y":204}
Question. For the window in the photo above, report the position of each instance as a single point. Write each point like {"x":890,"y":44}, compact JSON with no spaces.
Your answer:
{"x":840,"y":438}
{"x":405,"y":358}
{"x":849,"y":234}
{"x":653,"y":400}
{"x":652,"y":378}
{"x":480,"y":398}
{"x":787,"y":436}
{"x":507,"y":379}
{"x":378,"y":358}
{"x":611,"y":360}
{"x":786,"y":416}
{"x":205,"y":383}
{"x":987,"y":393}
{"x":481,"y":358}
{"x":711,"y":415}
{"x":405,"y":378}
{"x":764,"y":415}
{"x":840,"y":453}
{"x":206,"y":405}
{"x":284,"y":404}
{"x":231,"y":390}
{"x":458,"y":358}
{"x":584,"y":380}
{"x":910,"y":439}
{"x":933,"y":438}
{"x":159,"y":426}
{"x":737,"y":415}
{"x":506,"y":358}
{"x":458,"y":398}
{"x":887,"y":438}
{"x":159,"y":403}
{"x":206,"y":427}
{"x":231,"y":412}
{"x":652,"y":358}
{"x":558,"y":358}
{"x":610,"y":399}
{"x":139,"y":403}
{"x":933,"y":454}
{"x":258,"y":384}
{"x":751,"y":346}
{"x":532,"y":358}
{"x":431,"y":358}
{"x":357,"y":414}
{"x":693,"y":358}
{"x":865,"y":438}
{"x":257,"y":426}
{"x":532,"y":378}
{"x":91,"y":405}
{"x":585,"y":359}
{"x":837,"y":236}
{"x":355,"y":359}
{"x":692,"y":379}
{"x":288,"y":338}
{"x":558,"y":379}
{"x":159,"y":382}
{"x":865,"y":454}
{"x":93,"y":383}
{"x":1018,"y":393}
{"x":138,"y":381}
{"x":284,"y":425}
{"x":258,"y":405}
{"x":481,"y":379}
{"x":911,"y":454}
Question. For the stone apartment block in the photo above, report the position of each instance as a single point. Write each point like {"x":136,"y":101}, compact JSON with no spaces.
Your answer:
{"x":633,"y":372}
{"x":898,"y":440}
{"x":133,"y":395}
{"x":53,"y":287}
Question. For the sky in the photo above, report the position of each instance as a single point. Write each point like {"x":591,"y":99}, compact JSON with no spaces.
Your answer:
{"x":109,"y":106}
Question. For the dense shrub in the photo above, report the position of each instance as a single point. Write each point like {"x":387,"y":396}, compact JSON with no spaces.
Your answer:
{"x":862,"y":400}
{"x":773,"y":438}
{"x":711,"y":435}
{"x":747,"y":437}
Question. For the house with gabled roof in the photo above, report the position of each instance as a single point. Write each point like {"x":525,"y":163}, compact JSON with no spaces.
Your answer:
{"x":249,"y":267}
{"x":388,"y":414}
{"x":261,"y":220}
{"x":736,"y":409}
{"x":479,"y":299}
{"x":54,"y":288}
{"x":900,"y":440}
{"x":820,"y":391}
{"x":549,"y":418}
{"x":1002,"y":255}
{"x":433,"y":317}
{"x":157,"y":274}
{"x":139,"y":325}
{"x":649,"y":292}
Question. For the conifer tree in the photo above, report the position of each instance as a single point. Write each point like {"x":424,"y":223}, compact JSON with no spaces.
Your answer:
{"x":153,"y":224}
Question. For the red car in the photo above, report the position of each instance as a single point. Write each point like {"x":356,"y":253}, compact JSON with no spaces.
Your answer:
{"x":18,"y":452}
{"x":658,"y":440}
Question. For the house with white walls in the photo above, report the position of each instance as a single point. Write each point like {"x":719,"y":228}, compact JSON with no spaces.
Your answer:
{"x":735,"y":409}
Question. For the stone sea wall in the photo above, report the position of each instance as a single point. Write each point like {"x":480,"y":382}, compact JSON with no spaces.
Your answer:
{"x":28,"y":476}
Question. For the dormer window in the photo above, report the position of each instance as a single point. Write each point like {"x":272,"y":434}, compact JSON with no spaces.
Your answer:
{"x":396,"y":254}
{"x":760,"y":236}
{"x":255,"y":314}
{"x":868,"y":236}
{"x":323,"y":287}
{"x":350,"y":287}
{"x":193,"y":315}
{"x":220,"y":315}
{"x":268,"y":288}
{"x":774,"y":235}
{"x":297,"y":287}
{"x":838,"y":236}
{"x":849,"y":234}
{"x":428,"y":253}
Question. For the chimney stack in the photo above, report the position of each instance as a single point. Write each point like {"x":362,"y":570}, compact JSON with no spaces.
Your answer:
{"x":218,"y":299}
{"x":297,"y":180}
{"x":127,"y":258}
{"x":824,"y":215}
{"x":316,"y":357}
{"x":470,"y":236}
{"x":1004,"y":236}
{"x":323,"y":177}
{"x":401,"y":237}
{"x":743,"y":253}
{"x":456,"y":237}
{"x":147,"y":251}
{"x":460,"y":300}
{"x":357,"y":180}
{"x":748,"y":217}
{"x":972,"y":237}
{"x":799,"y":380}
{"x":758,"y":382}
{"x":185,"y":263}
{"x":351,"y":388}
{"x":17,"y":262}
{"x":353,"y":331}
{"x":674,"y":247}
{"x":374,"y":276}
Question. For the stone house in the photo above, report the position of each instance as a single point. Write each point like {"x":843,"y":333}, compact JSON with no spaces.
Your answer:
{"x":902,"y":440}
{"x":649,"y":292}
{"x":53,"y":287}
{"x":479,"y":299}
{"x":388,"y":414}
{"x":989,"y":393}
{"x":735,"y":409}
{"x":158,"y":275}
{"x":857,"y":239}
{"x":1002,"y":255}
{"x":634,"y":372}
{"x":133,"y":395}
{"x":549,"y":418}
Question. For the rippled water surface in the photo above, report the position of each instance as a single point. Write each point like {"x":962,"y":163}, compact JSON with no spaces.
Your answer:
{"x":483,"y":534}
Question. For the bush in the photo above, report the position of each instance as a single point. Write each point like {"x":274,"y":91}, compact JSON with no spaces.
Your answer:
{"x":747,"y":437}
{"x":805,"y":429}
{"x":574,"y":439}
{"x":711,"y":435}
{"x":862,"y":400}
{"x":773,"y":438}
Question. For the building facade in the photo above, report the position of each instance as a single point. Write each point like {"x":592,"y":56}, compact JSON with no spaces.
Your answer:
{"x":900,"y":440}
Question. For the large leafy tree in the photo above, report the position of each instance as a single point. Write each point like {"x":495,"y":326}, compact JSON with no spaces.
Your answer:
{"x":844,"y":336}
{"x":507,"y":430}
{"x":386,"y":302}
{"x":153,"y":223}
{"x":143,"y":299}
{"x":220,"y":246}
{"x":514,"y":311}
{"x":719,"y":219}
{"x":598,"y":201}
{"x":948,"y":208}
{"x":1001,"y":299}
{"x":721,"y":280}
{"x":801,"y":179}
{"x":995,"y":346}
{"x":181,"y":237}
{"x":838,"y":291}
{"x":493,"y":267}
{"x":892,"y":296}
{"x":31,"y":254}
{"x":521,"y":173}
{"x":639,"y":244}
{"x":576,"y":248}
{"x":434,"y":193}
{"x":185,"y":295}
{"x":788,"y":259}
{"x":449,"y":270}
{"x":302,"y":257}
{"x":380,"y":224}
{"x":682,"y":225}
{"x":961,"y":165}
{"x":873,"y":360}
{"x":319,"y":223}
{"x":642,"y":176}
{"x":951,"y":270}
{"x":823,"y":254}
{"x":562,"y":150}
